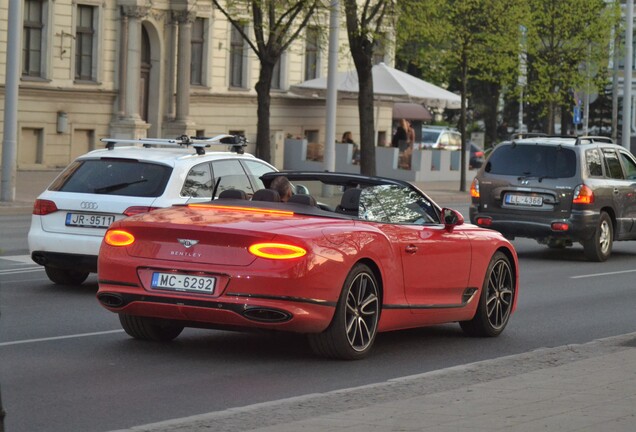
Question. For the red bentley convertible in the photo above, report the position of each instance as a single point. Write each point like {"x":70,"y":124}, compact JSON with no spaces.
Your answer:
{"x":384,"y":257}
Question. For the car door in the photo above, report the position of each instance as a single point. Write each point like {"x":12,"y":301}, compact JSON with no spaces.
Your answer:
{"x":435,"y":261}
{"x":622,"y":191}
{"x":629,"y":167}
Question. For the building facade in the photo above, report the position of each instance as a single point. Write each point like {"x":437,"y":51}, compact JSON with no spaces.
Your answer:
{"x":134,"y":68}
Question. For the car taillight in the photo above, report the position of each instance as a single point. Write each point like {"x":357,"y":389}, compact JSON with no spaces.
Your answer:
{"x":130,"y":211}
{"x":474,"y":188}
{"x":118,"y":238}
{"x":479,"y":154}
{"x":277,"y":251}
{"x":44,"y":207}
{"x":583,"y":195}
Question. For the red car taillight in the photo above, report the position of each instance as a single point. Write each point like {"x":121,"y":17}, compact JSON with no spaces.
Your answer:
{"x":130,"y":211}
{"x":44,"y":207}
{"x":583,"y":195}
{"x":479,"y":154}
{"x":277,"y":251}
{"x":474,"y":188}
{"x":118,"y":238}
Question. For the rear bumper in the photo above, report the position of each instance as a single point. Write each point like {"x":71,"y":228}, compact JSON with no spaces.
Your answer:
{"x":233,"y":312}
{"x":84,"y":263}
{"x":581,"y":224}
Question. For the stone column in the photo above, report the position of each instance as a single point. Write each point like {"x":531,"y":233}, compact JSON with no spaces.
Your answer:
{"x":130,"y":124}
{"x":182,"y":123}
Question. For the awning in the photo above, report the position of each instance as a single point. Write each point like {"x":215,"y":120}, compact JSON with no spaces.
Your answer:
{"x":411,"y":111}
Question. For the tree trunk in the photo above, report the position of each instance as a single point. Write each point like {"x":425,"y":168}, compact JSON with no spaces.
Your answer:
{"x":367,"y":129}
{"x":462,"y":125}
{"x":263,"y":144}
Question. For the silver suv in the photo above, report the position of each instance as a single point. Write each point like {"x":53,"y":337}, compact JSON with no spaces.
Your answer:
{"x":71,"y":216}
{"x":559,"y":191}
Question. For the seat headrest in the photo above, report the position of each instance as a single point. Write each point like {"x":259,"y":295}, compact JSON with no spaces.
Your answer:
{"x":303,"y":199}
{"x":233,"y":193}
{"x":266,"y":195}
{"x":351,"y":199}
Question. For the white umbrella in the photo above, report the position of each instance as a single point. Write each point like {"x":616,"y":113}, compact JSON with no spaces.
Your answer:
{"x":388,"y":83}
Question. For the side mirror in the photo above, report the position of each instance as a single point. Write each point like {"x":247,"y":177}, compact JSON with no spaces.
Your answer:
{"x":451,"y":218}
{"x":301,"y":190}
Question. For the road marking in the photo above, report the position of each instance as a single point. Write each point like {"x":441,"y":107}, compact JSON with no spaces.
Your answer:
{"x":24,"y":259}
{"x":21,"y":270}
{"x":26,"y":341}
{"x":602,"y":274}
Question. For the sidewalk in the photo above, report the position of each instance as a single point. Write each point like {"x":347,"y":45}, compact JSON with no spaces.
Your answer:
{"x":30,"y":184}
{"x":583,"y":388}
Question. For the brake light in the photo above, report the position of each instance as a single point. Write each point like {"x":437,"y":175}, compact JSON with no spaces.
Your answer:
{"x":130,"y":211}
{"x":583,"y":195}
{"x":277,"y":251}
{"x":44,"y":207}
{"x":118,"y":238}
{"x":479,"y":154}
{"x":244,"y":209}
{"x":474,"y":188}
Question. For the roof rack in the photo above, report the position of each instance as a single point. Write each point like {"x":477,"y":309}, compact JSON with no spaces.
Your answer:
{"x":522,"y":135}
{"x":593,"y":139}
{"x":237,"y":143}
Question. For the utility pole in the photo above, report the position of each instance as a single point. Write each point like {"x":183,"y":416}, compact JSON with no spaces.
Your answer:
{"x":9,"y":143}
{"x":627,"y":75}
{"x":332,"y":93}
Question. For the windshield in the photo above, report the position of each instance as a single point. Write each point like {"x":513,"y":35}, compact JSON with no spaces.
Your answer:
{"x":532,"y":161}
{"x":430,"y":136}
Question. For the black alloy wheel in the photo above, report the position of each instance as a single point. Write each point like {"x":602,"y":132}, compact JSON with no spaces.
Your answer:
{"x":353,"y":329}
{"x":496,"y":300}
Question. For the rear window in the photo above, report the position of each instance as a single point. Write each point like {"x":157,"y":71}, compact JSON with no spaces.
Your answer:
{"x":532,"y":160}
{"x":114,"y":177}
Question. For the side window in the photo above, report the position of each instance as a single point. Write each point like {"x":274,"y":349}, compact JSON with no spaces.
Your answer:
{"x":396,"y":204}
{"x":230,"y":174}
{"x":594,"y":164}
{"x":198,"y":183}
{"x":629,"y":164}
{"x":612,"y":164}
{"x":255,"y":170}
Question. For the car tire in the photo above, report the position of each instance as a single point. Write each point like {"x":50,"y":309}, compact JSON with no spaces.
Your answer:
{"x":150,"y":329}
{"x":599,"y":247}
{"x":354,"y":326}
{"x":495,"y":301}
{"x":65,"y":276}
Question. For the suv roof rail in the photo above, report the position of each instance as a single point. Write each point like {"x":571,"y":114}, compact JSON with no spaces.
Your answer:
{"x":237,"y":143}
{"x":522,"y":135}
{"x":593,"y":139}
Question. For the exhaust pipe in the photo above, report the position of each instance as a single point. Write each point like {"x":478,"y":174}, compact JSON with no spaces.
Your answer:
{"x":111,"y":300}
{"x":266,"y":315}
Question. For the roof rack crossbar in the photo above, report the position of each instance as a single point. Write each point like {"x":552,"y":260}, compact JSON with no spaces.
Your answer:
{"x":236,"y":142}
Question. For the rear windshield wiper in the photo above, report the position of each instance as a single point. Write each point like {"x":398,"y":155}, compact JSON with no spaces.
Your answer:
{"x":117,"y":186}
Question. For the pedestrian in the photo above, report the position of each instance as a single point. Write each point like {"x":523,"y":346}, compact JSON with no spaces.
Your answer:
{"x":347,"y":138}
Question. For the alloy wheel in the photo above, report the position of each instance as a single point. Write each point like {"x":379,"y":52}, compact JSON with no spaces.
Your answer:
{"x":362,"y":309}
{"x":499,"y":294}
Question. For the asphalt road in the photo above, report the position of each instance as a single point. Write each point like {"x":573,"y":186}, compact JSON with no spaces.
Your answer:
{"x":66,"y":364}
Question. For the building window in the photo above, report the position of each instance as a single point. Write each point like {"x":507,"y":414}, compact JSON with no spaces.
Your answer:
{"x":33,"y":38}
{"x":379,"y":50}
{"x":85,"y":38}
{"x":312,"y":53}
{"x":198,"y":43}
{"x":276,"y":75}
{"x":237,"y":59}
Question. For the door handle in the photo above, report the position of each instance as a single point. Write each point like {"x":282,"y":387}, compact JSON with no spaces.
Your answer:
{"x":411,"y":249}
